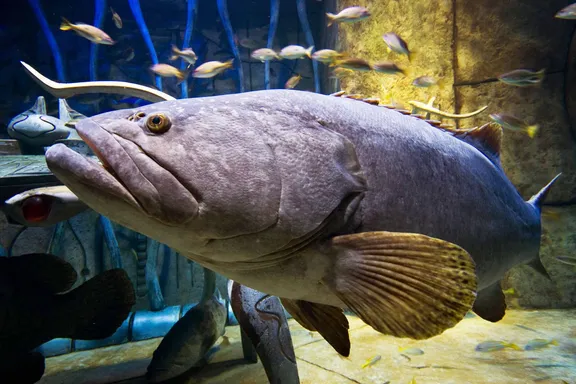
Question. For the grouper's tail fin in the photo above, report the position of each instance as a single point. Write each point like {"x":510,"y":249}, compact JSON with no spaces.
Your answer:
{"x":539,"y":198}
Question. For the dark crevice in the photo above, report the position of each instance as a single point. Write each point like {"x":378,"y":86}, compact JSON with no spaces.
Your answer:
{"x":329,"y":370}
{"x":566,"y":203}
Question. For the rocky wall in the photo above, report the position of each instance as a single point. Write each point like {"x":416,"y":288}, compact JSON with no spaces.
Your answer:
{"x":466,"y":45}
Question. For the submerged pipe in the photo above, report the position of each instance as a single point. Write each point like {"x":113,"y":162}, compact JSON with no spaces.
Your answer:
{"x":35,"y":4}
{"x":223,"y":10}
{"x":155,"y":297}
{"x":111,"y":241}
{"x":190,"y":16}
{"x":98,"y":20}
{"x":274,"y":12}
{"x":301,"y":6}
{"x":139,"y":17}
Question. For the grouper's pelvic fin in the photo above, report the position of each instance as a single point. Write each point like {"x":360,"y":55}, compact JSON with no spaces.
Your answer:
{"x":537,"y":200}
{"x":403,"y":284}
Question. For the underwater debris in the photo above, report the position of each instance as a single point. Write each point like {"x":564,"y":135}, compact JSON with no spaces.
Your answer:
{"x":90,"y":32}
{"x":570,"y":260}
{"x":513,"y":123}
{"x":523,"y":77}
{"x":348,"y":15}
{"x":428,"y":108}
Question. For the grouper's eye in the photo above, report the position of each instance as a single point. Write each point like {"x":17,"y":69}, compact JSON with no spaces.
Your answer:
{"x":158,"y":123}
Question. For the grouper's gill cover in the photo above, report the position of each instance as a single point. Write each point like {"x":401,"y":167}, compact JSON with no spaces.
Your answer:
{"x":226,"y":177}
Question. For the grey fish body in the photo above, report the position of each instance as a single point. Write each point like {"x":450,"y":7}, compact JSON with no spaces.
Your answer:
{"x":256,"y":185}
{"x":188,"y":341}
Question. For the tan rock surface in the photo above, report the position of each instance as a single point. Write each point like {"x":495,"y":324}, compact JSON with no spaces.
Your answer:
{"x":425,"y":26}
{"x":529,"y":163}
{"x":494,"y":37}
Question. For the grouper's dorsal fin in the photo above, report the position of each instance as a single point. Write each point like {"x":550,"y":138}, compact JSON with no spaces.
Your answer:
{"x":487,"y":139}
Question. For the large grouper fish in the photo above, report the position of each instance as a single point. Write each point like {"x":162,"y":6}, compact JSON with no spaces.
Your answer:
{"x":328,"y":203}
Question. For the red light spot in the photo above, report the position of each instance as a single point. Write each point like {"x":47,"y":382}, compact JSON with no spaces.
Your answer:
{"x":36,"y":208}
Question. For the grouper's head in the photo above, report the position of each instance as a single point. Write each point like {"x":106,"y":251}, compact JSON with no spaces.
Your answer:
{"x":216,"y":177}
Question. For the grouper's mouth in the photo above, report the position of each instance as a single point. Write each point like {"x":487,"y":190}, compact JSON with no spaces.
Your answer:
{"x":127,"y":173}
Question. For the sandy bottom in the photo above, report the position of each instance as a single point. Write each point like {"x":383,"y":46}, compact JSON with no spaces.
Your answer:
{"x":448,"y":358}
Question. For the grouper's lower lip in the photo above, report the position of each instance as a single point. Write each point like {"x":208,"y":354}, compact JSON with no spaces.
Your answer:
{"x":72,"y":168}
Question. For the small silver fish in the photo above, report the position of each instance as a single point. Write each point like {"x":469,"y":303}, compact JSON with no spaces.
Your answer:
{"x":387,"y":67}
{"x":327,"y":56}
{"x":294,"y":52}
{"x":411,"y":351}
{"x":568,"y":13}
{"x":424,"y":81}
{"x":348,"y":15}
{"x":495,"y":345}
{"x":89,"y":32}
{"x":116,"y":18}
{"x":396,"y":44}
{"x":264,"y":54}
{"x":248,"y":43}
{"x":353,"y":64}
{"x":539,"y":344}
{"x":212,"y":68}
{"x":166,"y":70}
{"x":522,"y":77}
{"x":371,"y":361}
{"x":293,"y":81}
{"x":187,"y":54}
{"x":514,"y":124}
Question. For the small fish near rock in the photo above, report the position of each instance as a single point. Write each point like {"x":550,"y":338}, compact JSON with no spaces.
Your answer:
{"x":522,"y":77}
{"x":348,"y":15}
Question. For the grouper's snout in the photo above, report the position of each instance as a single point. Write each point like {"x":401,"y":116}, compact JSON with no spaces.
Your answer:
{"x":155,"y":190}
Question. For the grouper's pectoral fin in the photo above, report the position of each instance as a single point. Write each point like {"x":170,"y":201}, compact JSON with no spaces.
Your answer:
{"x":490,"y":303}
{"x":329,"y":321}
{"x":403,"y":284}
